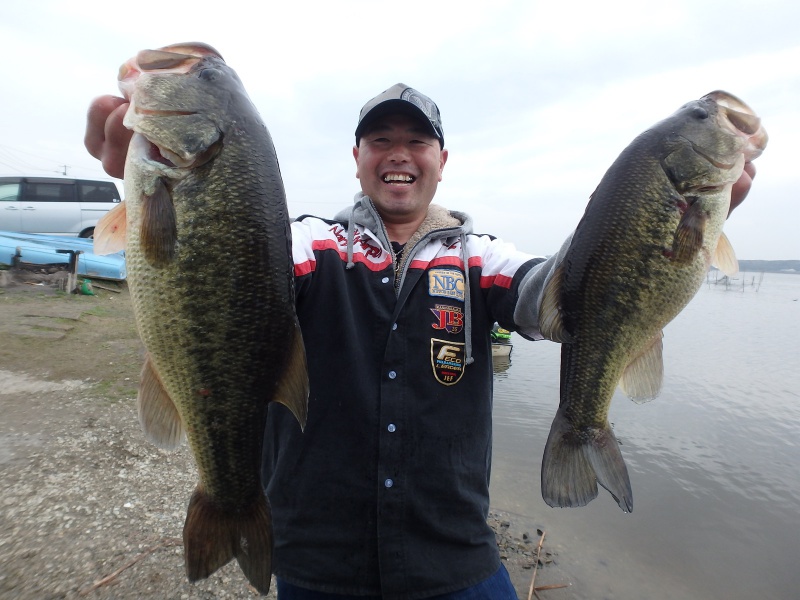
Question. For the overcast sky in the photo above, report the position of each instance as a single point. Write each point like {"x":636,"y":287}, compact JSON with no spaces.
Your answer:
{"x":537,"y":98}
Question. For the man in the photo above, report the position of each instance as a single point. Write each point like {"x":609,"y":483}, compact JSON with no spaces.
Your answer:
{"x":386,"y":492}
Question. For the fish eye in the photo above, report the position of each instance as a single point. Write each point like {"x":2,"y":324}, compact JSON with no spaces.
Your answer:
{"x":209,"y":74}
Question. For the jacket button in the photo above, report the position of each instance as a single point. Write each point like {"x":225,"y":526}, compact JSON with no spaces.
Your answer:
{"x":385,"y":280}
{"x":388,"y":483}
{"x":391,"y":428}
{"x":392,"y":374}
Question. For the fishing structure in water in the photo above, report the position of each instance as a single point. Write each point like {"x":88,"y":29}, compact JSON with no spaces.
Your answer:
{"x":729,"y":283}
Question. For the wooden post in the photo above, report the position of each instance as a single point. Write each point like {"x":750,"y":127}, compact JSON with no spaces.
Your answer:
{"x":72,"y":277}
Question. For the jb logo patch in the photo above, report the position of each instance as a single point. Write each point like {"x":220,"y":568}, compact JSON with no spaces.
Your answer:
{"x":448,"y":318}
{"x":447,"y":360}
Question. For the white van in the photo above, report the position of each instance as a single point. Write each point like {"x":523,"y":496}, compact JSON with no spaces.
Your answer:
{"x":54,"y":206}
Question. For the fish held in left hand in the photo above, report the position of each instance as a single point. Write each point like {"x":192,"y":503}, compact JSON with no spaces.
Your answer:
{"x":638,"y":256}
{"x":206,"y":232}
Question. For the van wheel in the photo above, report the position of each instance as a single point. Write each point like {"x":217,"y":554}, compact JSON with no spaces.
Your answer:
{"x":87,"y":233}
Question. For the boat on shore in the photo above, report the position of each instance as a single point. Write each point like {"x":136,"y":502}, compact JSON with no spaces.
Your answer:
{"x":28,"y":250}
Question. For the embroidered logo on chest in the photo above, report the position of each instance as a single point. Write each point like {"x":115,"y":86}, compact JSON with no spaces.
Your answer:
{"x":446,"y":283}
{"x":447,"y":360}
{"x":448,"y":318}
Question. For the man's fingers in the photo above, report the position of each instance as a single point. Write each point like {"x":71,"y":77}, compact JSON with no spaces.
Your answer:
{"x":742,"y":187}
{"x":99,"y":111}
{"x":106,"y":137}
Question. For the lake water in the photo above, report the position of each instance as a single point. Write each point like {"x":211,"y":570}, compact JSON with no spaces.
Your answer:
{"x":714,"y":462}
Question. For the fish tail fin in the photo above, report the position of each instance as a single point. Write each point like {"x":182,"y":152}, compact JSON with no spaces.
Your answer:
{"x":575,"y":462}
{"x":293,"y":388}
{"x":213,"y":536}
{"x":609,"y":466}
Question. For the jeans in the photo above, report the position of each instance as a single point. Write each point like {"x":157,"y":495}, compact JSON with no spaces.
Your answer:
{"x":496,"y":587}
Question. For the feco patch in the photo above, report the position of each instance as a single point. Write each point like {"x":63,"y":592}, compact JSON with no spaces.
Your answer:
{"x":447,"y":360}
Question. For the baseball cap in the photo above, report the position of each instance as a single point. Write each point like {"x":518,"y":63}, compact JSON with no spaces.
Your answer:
{"x":406,"y":100}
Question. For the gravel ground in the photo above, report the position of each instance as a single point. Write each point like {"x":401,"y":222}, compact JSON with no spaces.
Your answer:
{"x":88,"y":508}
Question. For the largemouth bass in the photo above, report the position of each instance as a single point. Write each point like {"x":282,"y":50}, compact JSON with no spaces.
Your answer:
{"x":638,"y":256}
{"x":205,"y":229}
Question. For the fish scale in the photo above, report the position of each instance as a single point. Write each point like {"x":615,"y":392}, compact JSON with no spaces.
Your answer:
{"x":206,"y":233}
{"x":638,"y":256}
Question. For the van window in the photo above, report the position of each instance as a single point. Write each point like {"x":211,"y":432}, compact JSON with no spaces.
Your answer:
{"x":98,"y":192}
{"x":49,"y":192}
{"x":9,"y":192}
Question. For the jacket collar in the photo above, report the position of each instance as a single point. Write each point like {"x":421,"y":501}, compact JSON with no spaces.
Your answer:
{"x":363,"y":213}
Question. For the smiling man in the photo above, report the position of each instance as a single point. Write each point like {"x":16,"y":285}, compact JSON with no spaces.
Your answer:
{"x":386,"y":492}
{"x":400,"y":157}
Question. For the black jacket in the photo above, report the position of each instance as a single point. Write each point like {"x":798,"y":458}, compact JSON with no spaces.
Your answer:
{"x":386,"y":492}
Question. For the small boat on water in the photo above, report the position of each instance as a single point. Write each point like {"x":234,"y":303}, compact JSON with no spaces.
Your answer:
{"x":501,"y":341}
{"x":30,"y":249}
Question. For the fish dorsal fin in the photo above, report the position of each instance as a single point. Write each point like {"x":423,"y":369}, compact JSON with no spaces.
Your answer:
{"x":158,"y":415}
{"x":159,"y":231}
{"x":642,"y":378}
{"x":109,"y":233}
{"x":293,"y":388}
{"x":689,"y":234}
{"x":551,"y":322}
{"x":724,"y":257}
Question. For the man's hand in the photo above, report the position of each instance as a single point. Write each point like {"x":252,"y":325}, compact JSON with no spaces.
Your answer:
{"x":106,"y":137}
{"x":742,"y":187}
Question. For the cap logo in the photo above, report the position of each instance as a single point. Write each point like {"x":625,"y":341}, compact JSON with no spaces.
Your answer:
{"x":424,"y":104}
{"x":407,"y":97}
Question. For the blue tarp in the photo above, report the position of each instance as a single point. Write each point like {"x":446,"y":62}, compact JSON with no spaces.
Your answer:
{"x":42,"y":250}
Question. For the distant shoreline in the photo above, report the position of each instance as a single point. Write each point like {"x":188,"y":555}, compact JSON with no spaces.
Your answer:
{"x":789,"y":267}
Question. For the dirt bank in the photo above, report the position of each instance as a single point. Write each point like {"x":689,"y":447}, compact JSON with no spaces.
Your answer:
{"x":89,"y":508}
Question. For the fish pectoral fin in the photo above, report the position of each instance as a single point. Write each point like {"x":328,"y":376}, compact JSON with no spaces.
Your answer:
{"x":109,"y":233}
{"x":293,"y":390}
{"x":724,"y":257}
{"x":159,"y":229}
{"x":212,"y":536}
{"x":642,"y":378}
{"x":689,"y":234}
{"x":551,"y":322}
{"x":575,"y":461}
{"x":158,"y":416}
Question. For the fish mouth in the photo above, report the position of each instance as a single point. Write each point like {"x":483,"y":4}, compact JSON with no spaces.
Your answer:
{"x":176,"y":165}
{"x":176,"y":58}
{"x":727,"y":166}
{"x":164,"y":113}
{"x":162,"y":156}
{"x":742,"y":120}
{"x":169,"y":158}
